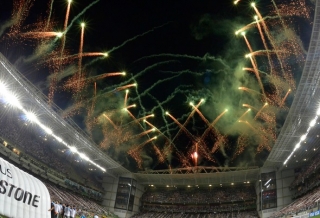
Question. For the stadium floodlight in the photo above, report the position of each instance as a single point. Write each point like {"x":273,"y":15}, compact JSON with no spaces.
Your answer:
{"x":58,"y":138}
{"x":313,"y":122}
{"x":3,"y":88}
{"x":48,"y":130}
{"x":318,"y":112}
{"x":32,"y":117}
{"x":9,"y":97}
{"x":303,"y":137}
{"x":83,"y":156}
{"x":74,"y":150}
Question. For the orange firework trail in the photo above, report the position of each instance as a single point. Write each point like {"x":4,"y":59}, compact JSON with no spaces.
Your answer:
{"x":135,"y":154}
{"x":264,"y":42}
{"x":285,"y":97}
{"x":247,"y":42}
{"x":146,"y":117}
{"x":126,"y":98}
{"x":248,"y":69}
{"x":211,"y":125}
{"x":249,"y":106}
{"x":138,"y":147}
{"x":40,"y":34}
{"x":251,"y":127}
{"x":201,"y":115}
{"x":80,"y":53}
{"x":125,"y":87}
{"x":188,"y":119}
{"x":244,"y":114}
{"x":249,"y":90}
{"x":105,"y":75}
{"x":249,"y":47}
{"x":65,"y":28}
{"x":263,"y":23}
{"x":161,"y":157}
{"x":67,"y":16}
{"x":152,"y":126}
{"x":262,"y":52}
{"x":244,"y":28}
{"x":102,"y":76}
{"x":181,"y":126}
{"x":259,"y":112}
{"x":131,"y":115}
{"x":93,"y":54}
{"x":271,"y":41}
{"x":94,"y":98}
{"x":113,"y":124}
{"x":20,"y":12}
{"x":258,"y":76}
{"x":53,"y":82}
{"x":93,"y":78}
{"x":144,"y":133}
{"x":218,"y":118}
{"x":130,"y":106}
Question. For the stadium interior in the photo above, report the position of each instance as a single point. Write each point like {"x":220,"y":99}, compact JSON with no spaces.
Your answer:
{"x":75,"y":170}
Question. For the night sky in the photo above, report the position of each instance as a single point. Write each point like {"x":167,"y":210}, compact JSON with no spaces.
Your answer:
{"x":176,"y":52}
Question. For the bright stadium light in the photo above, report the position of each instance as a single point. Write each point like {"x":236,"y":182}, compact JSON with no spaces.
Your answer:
{"x":13,"y":100}
{"x":74,"y":149}
{"x":48,"y":130}
{"x":3,"y":88}
{"x":318,"y":112}
{"x":313,"y":122}
{"x":83,"y":156}
{"x":32,"y":117}
{"x":303,"y":137}
{"x":58,"y":138}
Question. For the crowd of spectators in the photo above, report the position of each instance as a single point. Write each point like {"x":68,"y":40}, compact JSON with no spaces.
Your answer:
{"x":200,"y":196}
{"x":241,"y":214}
{"x":83,"y":205}
{"x":308,"y":201}
{"x":19,"y":133}
{"x":82,"y":189}
{"x":305,"y":173}
{"x":36,"y":149}
{"x":202,"y":208}
{"x":205,"y":202}
{"x":309,"y":184}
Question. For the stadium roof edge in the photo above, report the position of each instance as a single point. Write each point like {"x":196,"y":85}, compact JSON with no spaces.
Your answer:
{"x":305,"y":103}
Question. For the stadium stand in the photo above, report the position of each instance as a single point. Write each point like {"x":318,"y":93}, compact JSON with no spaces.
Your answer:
{"x":307,"y":190}
{"x":251,"y":214}
{"x":231,"y":201}
{"x":301,"y":204}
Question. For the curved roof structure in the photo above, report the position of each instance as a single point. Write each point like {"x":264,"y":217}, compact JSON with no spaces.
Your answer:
{"x":302,"y":111}
{"x":304,"y":106}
